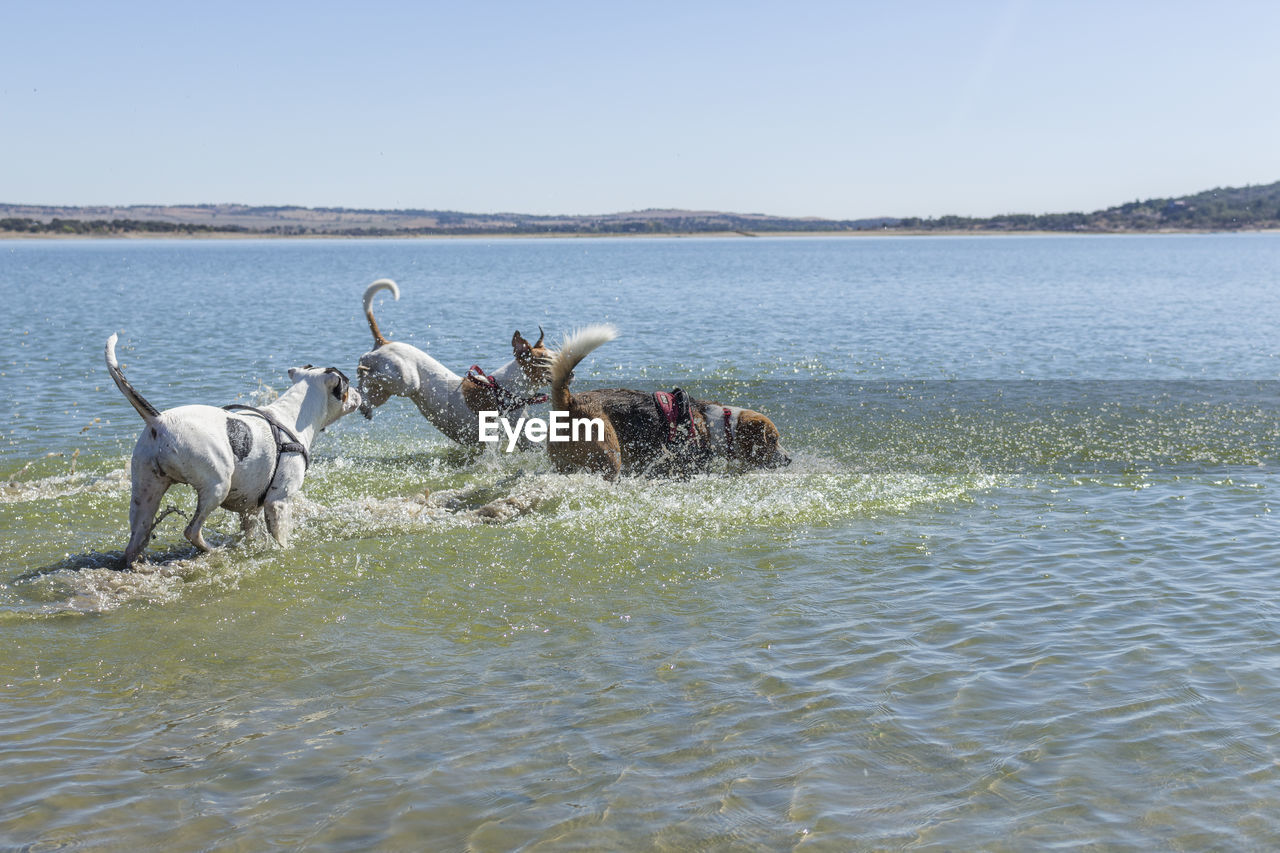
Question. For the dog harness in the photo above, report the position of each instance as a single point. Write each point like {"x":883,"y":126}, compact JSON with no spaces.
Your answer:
{"x":674,"y":408}
{"x":728,"y":432}
{"x":278,"y":431}
{"x":507,"y":401}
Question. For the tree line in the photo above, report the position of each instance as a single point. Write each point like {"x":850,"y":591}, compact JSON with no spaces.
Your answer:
{"x":19,"y":225}
{"x":1222,"y":209}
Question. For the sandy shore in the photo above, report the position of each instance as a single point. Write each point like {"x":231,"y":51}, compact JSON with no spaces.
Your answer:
{"x":889,"y":232}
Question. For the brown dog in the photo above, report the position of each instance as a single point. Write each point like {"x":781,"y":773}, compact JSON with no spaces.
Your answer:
{"x":642,"y":435}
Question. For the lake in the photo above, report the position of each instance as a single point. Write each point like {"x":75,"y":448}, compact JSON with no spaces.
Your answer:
{"x":1016,"y":591}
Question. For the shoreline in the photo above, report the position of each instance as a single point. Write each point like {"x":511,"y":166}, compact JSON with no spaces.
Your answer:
{"x":896,"y":232}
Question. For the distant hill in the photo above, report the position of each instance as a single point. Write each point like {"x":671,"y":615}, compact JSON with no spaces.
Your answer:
{"x":341,"y":221}
{"x":1223,"y":209}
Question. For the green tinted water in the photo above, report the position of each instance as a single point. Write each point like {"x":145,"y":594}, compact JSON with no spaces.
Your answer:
{"x":992,"y":615}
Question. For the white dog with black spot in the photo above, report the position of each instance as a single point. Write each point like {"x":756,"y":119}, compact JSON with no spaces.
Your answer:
{"x":240,"y":458}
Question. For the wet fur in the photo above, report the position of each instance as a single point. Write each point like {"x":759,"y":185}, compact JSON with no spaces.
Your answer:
{"x":635,"y":432}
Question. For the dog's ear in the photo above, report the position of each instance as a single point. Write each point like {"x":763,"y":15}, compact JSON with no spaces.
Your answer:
{"x":338,"y":383}
{"x":518,"y":344}
{"x":541,"y":335}
{"x":293,"y":374}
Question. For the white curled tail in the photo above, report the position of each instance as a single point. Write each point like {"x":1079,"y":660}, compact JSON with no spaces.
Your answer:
{"x":574,"y":349}
{"x":149,"y":412}
{"x":371,"y":291}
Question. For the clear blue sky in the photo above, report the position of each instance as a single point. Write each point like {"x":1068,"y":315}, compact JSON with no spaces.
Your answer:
{"x":834,"y":109}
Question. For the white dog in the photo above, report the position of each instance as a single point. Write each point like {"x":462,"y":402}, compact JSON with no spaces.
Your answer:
{"x":237,"y":457}
{"x":452,"y":403}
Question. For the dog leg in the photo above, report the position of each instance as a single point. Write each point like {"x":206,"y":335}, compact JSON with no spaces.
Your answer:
{"x":148,"y":490}
{"x":608,"y":454}
{"x":612,"y":465}
{"x":208,"y":498}
{"x":278,"y":522}
{"x":248,"y":523}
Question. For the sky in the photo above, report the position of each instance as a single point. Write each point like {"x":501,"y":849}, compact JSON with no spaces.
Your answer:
{"x":840,"y":110}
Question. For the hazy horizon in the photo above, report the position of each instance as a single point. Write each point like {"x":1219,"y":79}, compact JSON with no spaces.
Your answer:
{"x":554,"y":215}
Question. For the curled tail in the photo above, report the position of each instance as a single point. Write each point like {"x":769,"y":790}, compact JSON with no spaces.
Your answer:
{"x":369,"y":292}
{"x":573,"y":350}
{"x":149,"y":412}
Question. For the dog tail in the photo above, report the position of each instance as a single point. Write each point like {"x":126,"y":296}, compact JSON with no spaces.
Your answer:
{"x":148,"y":411}
{"x":573,"y":350}
{"x":369,"y":293}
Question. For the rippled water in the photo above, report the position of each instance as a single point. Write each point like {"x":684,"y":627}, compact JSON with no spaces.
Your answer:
{"x":1017,"y":590}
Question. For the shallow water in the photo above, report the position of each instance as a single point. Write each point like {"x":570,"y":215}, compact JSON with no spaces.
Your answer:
{"x":1016,"y":591}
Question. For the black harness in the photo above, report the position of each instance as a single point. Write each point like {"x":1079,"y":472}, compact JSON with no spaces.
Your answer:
{"x":675,"y":409}
{"x":279,"y":432}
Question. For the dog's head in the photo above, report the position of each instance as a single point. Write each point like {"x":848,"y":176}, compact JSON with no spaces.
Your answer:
{"x":534,"y":359}
{"x":330,"y":385}
{"x":756,"y":442}
{"x":384,"y":373}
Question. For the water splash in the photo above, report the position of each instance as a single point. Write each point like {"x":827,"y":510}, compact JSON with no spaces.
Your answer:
{"x":348,"y":500}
